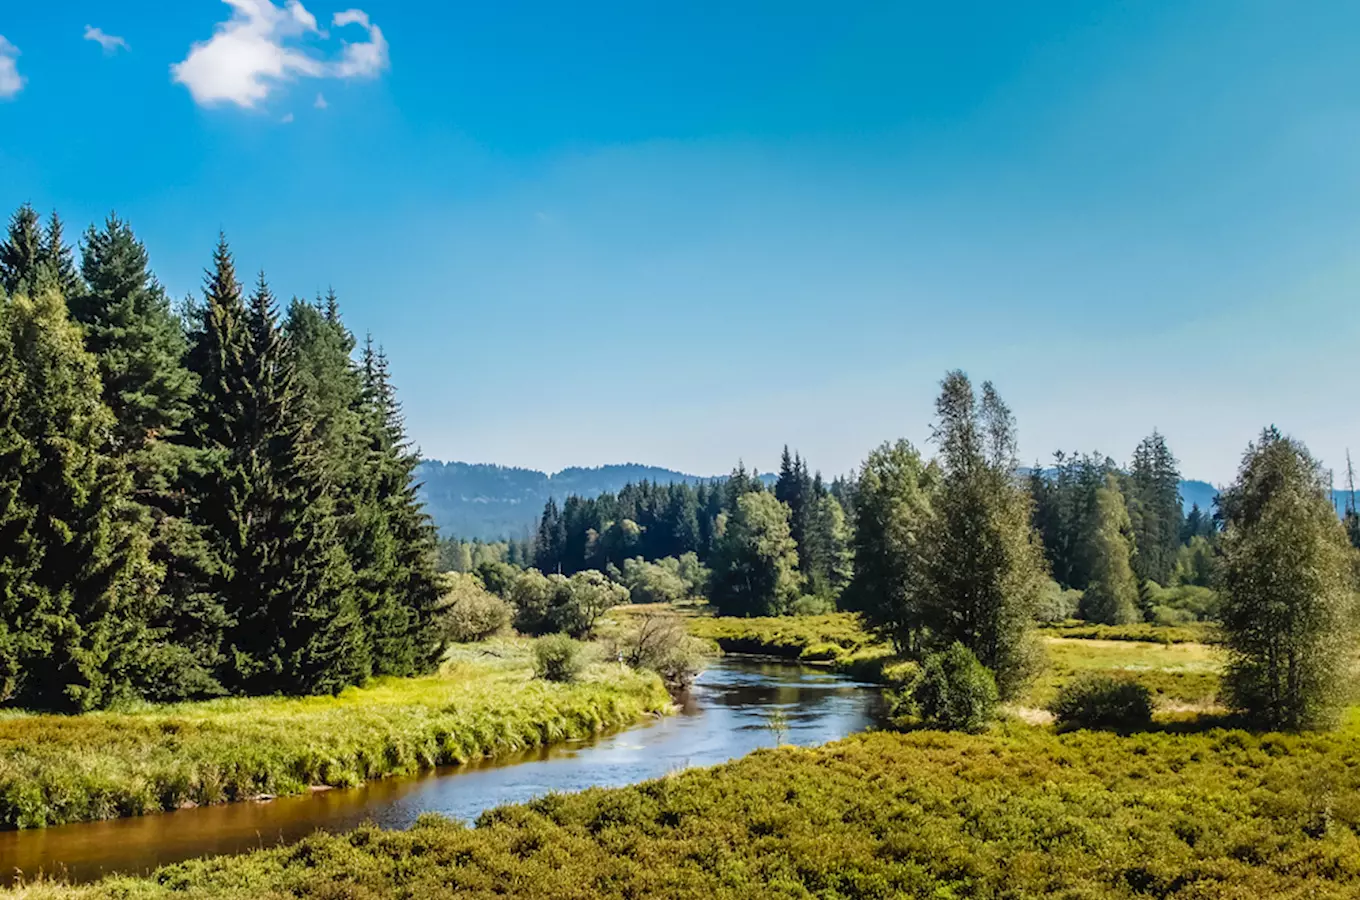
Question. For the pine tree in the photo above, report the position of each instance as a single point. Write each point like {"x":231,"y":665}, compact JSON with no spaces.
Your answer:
{"x":1351,"y":516}
{"x":986,"y":566}
{"x":58,"y":261}
{"x":405,"y":634}
{"x":21,"y":254}
{"x":1111,"y":597}
{"x":1155,"y":509}
{"x":551,"y":537}
{"x":74,"y":584}
{"x":1288,"y":614}
{"x":141,"y":347}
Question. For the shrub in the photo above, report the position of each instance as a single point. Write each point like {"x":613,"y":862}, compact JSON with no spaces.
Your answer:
{"x":660,"y":642}
{"x":1056,"y":604}
{"x":498,"y":577}
{"x":578,"y":602}
{"x":810,"y":605}
{"x":821,"y":653}
{"x":558,"y":657}
{"x":955,"y":692}
{"x":472,"y":613}
{"x":1103,"y":701}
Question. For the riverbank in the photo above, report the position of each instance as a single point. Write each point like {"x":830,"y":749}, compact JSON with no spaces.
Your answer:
{"x":485,"y":703}
{"x":1018,"y":812}
{"x":1176,"y":663}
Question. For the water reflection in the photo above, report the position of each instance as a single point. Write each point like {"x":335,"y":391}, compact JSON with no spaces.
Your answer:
{"x":725,"y":716}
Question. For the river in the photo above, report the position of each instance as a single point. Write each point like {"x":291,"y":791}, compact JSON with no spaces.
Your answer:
{"x":726,"y":714}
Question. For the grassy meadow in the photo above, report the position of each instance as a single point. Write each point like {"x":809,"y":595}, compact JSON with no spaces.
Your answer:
{"x":1019,"y":812}
{"x":484,"y":703}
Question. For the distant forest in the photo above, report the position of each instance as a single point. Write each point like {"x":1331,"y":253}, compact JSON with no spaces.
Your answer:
{"x":485,"y":502}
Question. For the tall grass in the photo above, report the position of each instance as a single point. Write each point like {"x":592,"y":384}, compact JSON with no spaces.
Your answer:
{"x":56,"y":769}
{"x":1016,"y":813}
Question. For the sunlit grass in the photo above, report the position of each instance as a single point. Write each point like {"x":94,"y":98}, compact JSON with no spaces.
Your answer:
{"x":56,"y":769}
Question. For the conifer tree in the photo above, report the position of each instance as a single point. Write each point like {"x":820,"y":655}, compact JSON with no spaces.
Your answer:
{"x":406,"y":636}
{"x":140,"y":346}
{"x":1155,"y":509}
{"x":74,"y":584}
{"x":21,"y":254}
{"x":986,"y":567}
{"x":57,"y":260}
{"x":551,"y":537}
{"x":1288,"y":614}
{"x":1111,"y":597}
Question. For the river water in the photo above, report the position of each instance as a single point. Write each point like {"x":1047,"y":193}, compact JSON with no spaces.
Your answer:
{"x":727,"y":714}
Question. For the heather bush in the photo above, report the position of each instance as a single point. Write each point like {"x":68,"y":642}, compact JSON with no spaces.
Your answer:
{"x":1103,"y":701}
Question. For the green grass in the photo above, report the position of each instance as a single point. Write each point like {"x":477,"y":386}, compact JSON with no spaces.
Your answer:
{"x":1179,"y":675}
{"x":814,"y":638}
{"x":1142,"y":632}
{"x":1015,"y":813}
{"x":56,"y":769}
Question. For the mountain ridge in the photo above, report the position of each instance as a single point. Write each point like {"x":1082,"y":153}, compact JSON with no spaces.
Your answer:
{"x":487,"y":501}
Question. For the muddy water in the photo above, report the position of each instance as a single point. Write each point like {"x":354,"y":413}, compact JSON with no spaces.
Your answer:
{"x":726,"y":715}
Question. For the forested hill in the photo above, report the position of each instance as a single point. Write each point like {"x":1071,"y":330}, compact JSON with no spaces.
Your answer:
{"x":490,"y":502}
{"x":479,"y":500}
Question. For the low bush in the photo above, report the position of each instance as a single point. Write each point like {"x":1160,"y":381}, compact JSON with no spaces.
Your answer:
{"x":660,"y":643}
{"x":1103,"y":701}
{"x":821,"y":653}
{"x":954,"y":692}
{"x":471,"y":612}
{"x":1019,"y":813}
{"x":557,"y":657}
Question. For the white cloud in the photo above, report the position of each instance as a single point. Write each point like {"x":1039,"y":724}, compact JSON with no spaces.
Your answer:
{"x":320,"y":101}
{"x":363,"y":59}
{"x":111,"y":43}
{"x":287,"y":118}
{"x":257,"y":48}
{"x":10,"y":79}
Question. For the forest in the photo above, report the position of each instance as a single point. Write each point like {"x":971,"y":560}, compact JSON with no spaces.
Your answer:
{"x":197,"y":501}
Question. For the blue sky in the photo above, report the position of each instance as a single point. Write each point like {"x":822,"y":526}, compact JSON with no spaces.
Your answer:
{"x":683,"y":233}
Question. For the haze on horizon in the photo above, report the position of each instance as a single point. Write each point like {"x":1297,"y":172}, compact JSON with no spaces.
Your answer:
{"x":683,"y":236}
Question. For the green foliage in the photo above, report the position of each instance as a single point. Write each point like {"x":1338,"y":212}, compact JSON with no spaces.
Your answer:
{"x":668,"y":580}
{"x":985,"y":569}
{"x":891,"y":544}
{"x":75,"y":588}
{"x":471,"y":612}
{"x":1195,"y":563}
{"x":1288,"y":610}
{"x":1057,"y":604}
{"x":557,"y":657}
{"x":755,"y":569}
{"x":546,"y":604}
{"x":788,"y":637}
{"x":954,"y":692}
{"x":660,"y":642}
{"x":66,"y":769}
{"x":1111,"y":596}
{"x":1155,"y":509}
{"x":1181,"y":604}
{"x":1103,"y":701}
{"x":1017,"y":814}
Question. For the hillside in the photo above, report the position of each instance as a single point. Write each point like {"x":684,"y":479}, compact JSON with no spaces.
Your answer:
{"x":479,"y":500}
{"x":488,"y":502}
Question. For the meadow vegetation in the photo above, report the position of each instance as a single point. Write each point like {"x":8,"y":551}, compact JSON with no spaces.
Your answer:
{"x":1020,"y":812}
{"x":56,"y":769}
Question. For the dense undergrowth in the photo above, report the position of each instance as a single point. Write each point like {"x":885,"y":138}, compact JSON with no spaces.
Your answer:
{"x":56,"y":769}
{"x":1016,"y":813}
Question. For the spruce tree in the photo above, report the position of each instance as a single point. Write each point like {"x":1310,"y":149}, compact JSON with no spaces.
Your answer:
{"x":21,"y":254}
{"x":74,"y":583}
{"x":1288,"y":613}
{"x":406,"y":634}
{"x":1155,"y":509}
{"x":140,"y":346}
{"x":551,"y":537}
{"x":1111,"y":597}
{"x":58,"y":261}
{"x":986,"y":566}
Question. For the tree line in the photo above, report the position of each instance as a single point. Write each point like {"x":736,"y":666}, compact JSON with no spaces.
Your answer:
{"x":196,"y":502}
